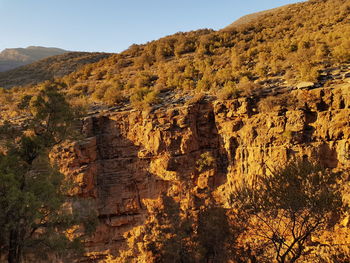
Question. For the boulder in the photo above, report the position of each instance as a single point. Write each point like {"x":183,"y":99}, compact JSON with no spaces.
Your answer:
{"x":305,"y":85}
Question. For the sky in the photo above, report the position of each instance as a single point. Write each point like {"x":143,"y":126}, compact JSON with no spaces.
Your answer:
{"x":113,"y":25}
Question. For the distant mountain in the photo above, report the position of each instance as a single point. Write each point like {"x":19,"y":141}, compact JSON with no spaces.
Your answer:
{"x":48,"y":68}
{"x":11,"y":58}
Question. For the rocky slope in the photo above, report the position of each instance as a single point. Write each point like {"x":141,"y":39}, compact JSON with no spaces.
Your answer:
{"x":131,"y":158}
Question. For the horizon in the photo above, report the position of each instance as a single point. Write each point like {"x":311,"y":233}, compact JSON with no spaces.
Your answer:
{"x":113,"y":26}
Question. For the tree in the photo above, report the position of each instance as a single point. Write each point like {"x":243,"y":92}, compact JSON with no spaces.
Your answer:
{"x":289,"y":206}
{"x":35,"y":212}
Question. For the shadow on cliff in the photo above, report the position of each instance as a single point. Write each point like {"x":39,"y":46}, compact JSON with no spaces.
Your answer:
{"x":122,"y":176}
{"x":123,"y":179}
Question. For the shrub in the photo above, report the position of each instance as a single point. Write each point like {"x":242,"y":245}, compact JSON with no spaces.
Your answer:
{"x":203,"y":84}
{"x":248,"y":88}
{"x":288,"y":207}
{"x":99,"y":92}
{"x":205,"y":161}
{"x":184,"y":46}
{"x":112,"y":95}
{"x":144,"y":97}
{"x":308,"y":72}
{"x":229,"y":91}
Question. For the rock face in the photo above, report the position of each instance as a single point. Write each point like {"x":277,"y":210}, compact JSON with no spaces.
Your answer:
{"x":131,"y":157}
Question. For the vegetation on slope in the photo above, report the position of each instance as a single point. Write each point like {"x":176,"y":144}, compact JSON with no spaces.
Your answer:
{"x":293,"y":43}
{"x":48,"y":68}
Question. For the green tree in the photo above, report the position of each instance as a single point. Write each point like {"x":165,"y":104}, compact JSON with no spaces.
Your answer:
{"x":288,"y":207}
{"x":35,"y":209}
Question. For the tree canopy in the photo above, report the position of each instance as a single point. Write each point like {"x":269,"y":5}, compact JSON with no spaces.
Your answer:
{"x":36,"y":210}
{"x":288,"y":207}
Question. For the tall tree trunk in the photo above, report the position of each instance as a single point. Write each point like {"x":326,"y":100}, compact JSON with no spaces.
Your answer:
{"x":14,"y":255}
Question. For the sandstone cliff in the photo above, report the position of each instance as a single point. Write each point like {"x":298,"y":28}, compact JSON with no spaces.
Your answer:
{"x":130,"y":158}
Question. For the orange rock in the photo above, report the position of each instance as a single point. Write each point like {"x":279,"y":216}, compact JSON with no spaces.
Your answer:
{"x":131,"y":158}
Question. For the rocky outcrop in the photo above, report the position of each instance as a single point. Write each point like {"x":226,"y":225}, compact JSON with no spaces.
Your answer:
{"x":129,"y":158}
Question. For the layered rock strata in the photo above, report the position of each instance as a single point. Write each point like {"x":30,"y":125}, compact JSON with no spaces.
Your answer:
{"x":128,"y":158}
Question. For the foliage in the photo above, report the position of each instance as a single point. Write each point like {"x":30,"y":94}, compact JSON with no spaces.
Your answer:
{"x":292,"y":43}
{"x":113,"y":94}
{"x":206,"y":161}
{"x":288,"y":207}
{"x":283,"y":211}
{"x":229,"y":91}
{"x":144,"y":97}
{"x":35,"y":212}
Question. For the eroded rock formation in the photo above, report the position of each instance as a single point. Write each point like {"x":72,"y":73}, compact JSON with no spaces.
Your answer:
{"x":129,"y":158}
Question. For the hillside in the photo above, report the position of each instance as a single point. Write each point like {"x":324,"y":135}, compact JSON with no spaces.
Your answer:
{"x":48,"y":68}
{"x":176,"y":132}
{"x":250,"y":18}
{"x":11,"y":58}
{"x":296,"y":43}
{"x":300,"y":42}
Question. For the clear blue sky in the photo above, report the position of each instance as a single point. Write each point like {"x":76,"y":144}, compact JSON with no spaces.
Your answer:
{"x":113,"y":25}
